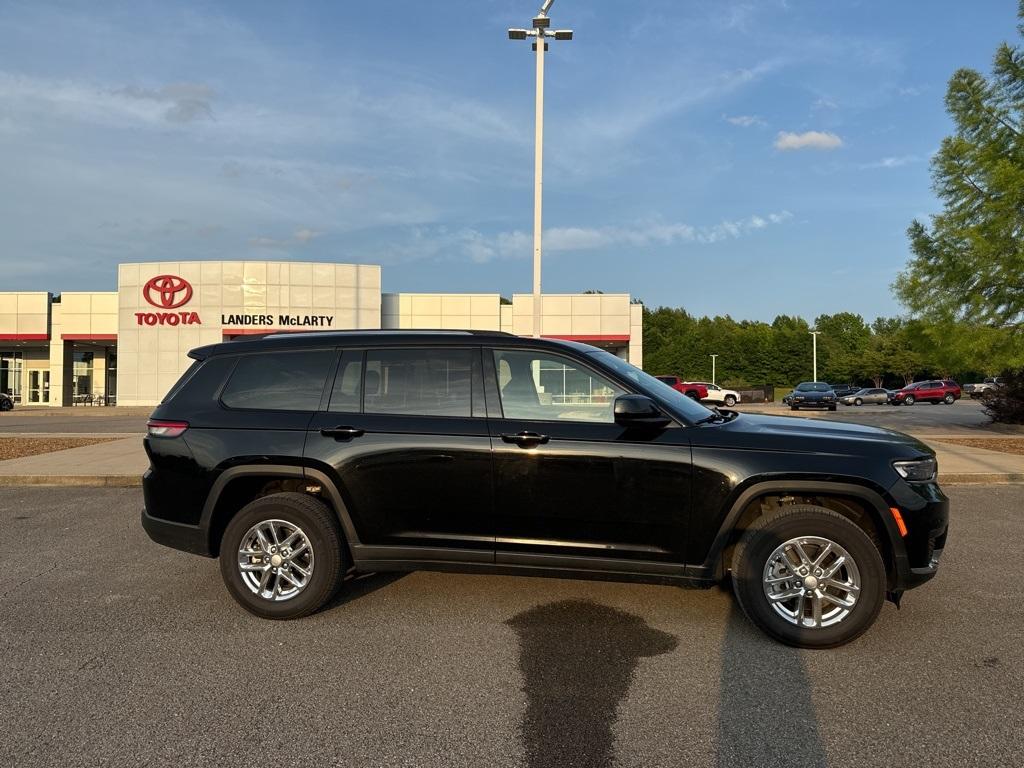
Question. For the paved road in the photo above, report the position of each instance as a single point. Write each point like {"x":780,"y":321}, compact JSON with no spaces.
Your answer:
{"x":965,"y":417}
{"x":73,"y":421}
{"x":119,"y":652}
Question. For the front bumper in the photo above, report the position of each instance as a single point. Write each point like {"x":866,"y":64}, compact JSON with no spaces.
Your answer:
{"x":814,"y":403}
{"x":925,"y":510}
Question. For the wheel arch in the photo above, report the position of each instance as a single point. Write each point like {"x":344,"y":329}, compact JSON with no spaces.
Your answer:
{"x":237,"y":486}
{"x":863,"y":505}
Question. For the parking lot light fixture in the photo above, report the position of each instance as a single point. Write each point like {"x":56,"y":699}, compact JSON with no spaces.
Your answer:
{"x":713,"y":368}
{"x":814,"y":335}
{"x":540,"y":32}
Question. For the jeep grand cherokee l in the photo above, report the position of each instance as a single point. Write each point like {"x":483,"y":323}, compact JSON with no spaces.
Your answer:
{"x":300,"y":458}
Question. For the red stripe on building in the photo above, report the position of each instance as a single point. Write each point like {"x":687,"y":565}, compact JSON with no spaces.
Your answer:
{"x":24,"y":337}
{"x":89,"y":336}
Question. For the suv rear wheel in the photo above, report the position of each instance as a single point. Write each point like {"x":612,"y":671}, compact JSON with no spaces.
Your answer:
{"x":730,"y":401}
{"x":809,"y":577}
{"x":948,"y":399}
{"x":282,"y":556}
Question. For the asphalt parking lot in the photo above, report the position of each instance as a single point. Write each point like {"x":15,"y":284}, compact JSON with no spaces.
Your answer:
{"x":965,"y":417}
{"x":120,"y":652}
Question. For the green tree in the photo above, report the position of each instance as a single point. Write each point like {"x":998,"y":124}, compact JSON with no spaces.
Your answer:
{"x":969,"y":264}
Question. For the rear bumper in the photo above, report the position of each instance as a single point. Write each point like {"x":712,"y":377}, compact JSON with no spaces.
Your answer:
{"x":188,"y":538}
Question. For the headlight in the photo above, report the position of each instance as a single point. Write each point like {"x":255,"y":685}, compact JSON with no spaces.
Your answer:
{"x":917,"y":471}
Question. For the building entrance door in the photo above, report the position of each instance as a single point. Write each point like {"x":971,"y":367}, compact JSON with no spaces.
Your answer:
{"x":39,"y":386}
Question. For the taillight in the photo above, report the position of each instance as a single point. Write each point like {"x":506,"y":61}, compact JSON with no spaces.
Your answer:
{"x":160,"y":428}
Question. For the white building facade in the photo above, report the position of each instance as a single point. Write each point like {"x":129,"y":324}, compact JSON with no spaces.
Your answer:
{"x":129,"y":346}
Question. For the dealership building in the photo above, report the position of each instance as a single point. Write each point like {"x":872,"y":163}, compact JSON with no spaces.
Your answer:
{"x":127,"y":347}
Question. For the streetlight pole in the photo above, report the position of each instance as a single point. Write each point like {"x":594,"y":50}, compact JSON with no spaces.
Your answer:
{"x":540,"y":34}
{"x":713,"y":368}
{"x":814,"y":335}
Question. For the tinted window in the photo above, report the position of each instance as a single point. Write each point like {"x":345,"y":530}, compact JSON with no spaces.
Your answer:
{"x":181,"y":382}
{"x":348,"y":383}
{"x":420,"y":382}
{"x":279,"y":381}
{"x":541,"y":386}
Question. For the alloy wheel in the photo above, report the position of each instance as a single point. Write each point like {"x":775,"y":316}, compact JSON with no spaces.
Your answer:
{"x":811,"y":582}
{"x":275,"y":560}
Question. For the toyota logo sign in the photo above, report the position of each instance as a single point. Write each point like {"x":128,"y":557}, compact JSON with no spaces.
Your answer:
{"x":167,"y":291}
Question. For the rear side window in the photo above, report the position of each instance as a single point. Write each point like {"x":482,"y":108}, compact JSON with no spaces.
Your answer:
{"x":181,"y":382}
{"x":279,"y":381}
{"x":418,"y":382}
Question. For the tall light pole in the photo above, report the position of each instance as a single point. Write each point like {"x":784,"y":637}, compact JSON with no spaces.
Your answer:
{"x":713,"y":368}
{"x":540,"y":33}
{"x":814,"y":335}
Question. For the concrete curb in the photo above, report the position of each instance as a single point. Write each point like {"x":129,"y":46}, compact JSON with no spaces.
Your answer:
{"x":980,"y":478}
{"x":85,"y":481}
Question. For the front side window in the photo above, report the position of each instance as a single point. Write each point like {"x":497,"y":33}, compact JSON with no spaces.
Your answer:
{"x":546,"y":387}
{"x":419,"y":382}
{"x":348,"y":384}
{"x":279,"y":381}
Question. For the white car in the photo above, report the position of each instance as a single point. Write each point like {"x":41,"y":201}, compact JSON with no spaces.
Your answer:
{"x":728,"y":397}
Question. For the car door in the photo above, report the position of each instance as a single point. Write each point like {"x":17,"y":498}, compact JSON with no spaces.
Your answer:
{"x":879,"y":396}
{"x":404,"y":435}
{"x":568,"y":480}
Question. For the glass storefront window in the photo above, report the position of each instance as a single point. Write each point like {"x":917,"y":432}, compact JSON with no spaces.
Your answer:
{"x":11,"y":365}
{"x":81,"y":375}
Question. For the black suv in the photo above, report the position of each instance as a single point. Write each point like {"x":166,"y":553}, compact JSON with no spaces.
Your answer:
{"x":299,"y":458}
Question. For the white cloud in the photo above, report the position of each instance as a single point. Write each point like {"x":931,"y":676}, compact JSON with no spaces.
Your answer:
{"x":745,"y":121}
{"x":301,"y":237}
{"x":892,"y":162}
{"x":518,"y":244}
{"x":807,"y":140}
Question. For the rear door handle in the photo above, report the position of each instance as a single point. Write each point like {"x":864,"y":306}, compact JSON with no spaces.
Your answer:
{"x":342,"y":433}
{"x":525,"y":439}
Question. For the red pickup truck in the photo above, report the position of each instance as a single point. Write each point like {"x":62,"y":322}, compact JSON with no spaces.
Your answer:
{"x":688,"y":388}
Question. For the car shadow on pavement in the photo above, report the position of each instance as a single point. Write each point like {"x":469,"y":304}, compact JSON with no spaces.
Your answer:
{"x":577,"y":660}
{"x":766,"y":714}
{"x":356,"y":586}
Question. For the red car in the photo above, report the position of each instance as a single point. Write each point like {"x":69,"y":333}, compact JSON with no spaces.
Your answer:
{"x":935,"y":392}
{"x":688,"y":388}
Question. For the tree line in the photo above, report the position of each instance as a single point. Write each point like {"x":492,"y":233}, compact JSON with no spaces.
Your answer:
{"x":888,"y":352}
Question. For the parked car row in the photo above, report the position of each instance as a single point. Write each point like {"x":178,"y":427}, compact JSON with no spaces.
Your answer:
{"x":703,"y":391}
{"x":818,"y":394}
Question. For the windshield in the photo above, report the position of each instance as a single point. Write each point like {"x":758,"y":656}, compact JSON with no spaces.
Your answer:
{"x":813,"y":386}
{"x":650,"y":385}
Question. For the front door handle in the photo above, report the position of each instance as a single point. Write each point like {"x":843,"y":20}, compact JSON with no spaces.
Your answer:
{"x":342,"y":433}
{"x":526,"y":439}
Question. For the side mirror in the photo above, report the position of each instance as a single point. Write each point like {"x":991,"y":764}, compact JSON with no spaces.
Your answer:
{"x":639,"y":411}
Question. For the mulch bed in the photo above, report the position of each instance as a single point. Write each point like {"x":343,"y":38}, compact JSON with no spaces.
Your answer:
{"x":16,"y":447}
{"x":1002,"y":444}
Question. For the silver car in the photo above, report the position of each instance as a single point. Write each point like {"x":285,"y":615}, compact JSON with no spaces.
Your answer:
{"x":875,"y":396}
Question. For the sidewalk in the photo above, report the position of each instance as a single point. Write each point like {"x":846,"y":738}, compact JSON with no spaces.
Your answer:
{"x":960,"y":464}
{"x":122,"y":462}
{"x":115,"y":463}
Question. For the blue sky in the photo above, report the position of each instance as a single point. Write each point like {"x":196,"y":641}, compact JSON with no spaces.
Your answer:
{"x":742,"y":158}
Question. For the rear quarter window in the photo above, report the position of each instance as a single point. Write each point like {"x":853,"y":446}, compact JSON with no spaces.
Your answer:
{"x":278,"y":381}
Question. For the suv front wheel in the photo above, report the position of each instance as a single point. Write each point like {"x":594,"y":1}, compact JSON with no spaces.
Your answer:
{"x":809,"y":577}
{"x":282,"y":556}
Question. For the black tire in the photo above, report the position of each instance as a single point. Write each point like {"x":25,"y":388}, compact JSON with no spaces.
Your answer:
{"x":692,"y":395}
{"x":909,"y":400}
{"x":730,"y":401}
{"x":319,"y":524}
{"x":794,"y":407}
{"x":948,"y":399}
{"x":769,"y":532}
{"x":832,"y":407}
{"x":858,"y":402}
